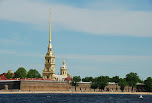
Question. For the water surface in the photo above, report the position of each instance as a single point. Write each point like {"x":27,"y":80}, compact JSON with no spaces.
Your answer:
{"x":74,"y":98}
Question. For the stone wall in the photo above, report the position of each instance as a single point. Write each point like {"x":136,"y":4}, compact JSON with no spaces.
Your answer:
{"x":10,"y":84}
{"x":86,"y":87}
{"x":29,"y":85}
{"x":116,"y":88}
{"x":44,"y":85}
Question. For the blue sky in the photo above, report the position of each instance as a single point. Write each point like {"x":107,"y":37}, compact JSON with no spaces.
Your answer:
{"x":94,"y":37}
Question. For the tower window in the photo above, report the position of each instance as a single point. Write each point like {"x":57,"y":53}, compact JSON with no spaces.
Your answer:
{"x":47,"y":69}
{"x":50,"y":49}
{"x":48,"y":60}
{"x":47,"y":77}
{"x":63,"y":72}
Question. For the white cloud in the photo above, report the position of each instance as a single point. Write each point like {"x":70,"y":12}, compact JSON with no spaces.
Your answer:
{"x":5,"y":41}
{"x":111,"y":65}
{"x":106,"y":58}
{"x":98,"y":22}
{"x":19,"y":53}
{"x":84,"y":57}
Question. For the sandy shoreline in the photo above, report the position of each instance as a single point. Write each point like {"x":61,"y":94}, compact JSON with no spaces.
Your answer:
{"x":69,"y":92}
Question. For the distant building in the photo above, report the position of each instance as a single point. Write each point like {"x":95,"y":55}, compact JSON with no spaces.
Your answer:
{"x":3,"y":75}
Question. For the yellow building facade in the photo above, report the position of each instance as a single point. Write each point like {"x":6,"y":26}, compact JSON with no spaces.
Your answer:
{"x":63,"y":70}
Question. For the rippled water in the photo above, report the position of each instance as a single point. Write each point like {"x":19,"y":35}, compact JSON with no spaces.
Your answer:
{"x":74,"y":98}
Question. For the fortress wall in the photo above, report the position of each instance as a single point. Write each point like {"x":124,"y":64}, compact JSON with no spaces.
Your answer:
{"x":44,"y":86}
{"x":52,"y":86}
{"x":11,"y":85}
{"x":86,"y":87}
{"x":64,"y":86}
{"x":112,"y":87}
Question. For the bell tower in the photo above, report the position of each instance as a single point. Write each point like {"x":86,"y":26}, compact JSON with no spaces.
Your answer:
{"x":49,"y":69}
{"x":63,"y":70}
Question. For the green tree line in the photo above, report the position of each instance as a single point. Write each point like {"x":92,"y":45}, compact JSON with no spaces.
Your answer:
{"x":101,"y":82}
{"x":22,"y":73}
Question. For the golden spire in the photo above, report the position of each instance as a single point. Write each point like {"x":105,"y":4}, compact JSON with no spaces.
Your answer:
{"x":50,"y":27}
{"x":50,"y":44}
{"x":63,"y":62}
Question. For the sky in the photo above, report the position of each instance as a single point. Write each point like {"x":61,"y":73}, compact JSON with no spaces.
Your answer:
{"x":94,"y":37}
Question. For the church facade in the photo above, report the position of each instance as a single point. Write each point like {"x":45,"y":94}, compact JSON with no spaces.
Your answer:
{"x":49,"y":68}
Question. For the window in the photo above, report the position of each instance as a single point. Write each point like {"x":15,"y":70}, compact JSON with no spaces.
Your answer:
{"x":50,"y":49}
{"x":47,"y":69}
{"x":47,"y":77}
{"x":48,"y":60}
{"x":63,"y":72}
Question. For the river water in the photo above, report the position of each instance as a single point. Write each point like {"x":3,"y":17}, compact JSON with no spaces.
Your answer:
{"x":73,"y":98}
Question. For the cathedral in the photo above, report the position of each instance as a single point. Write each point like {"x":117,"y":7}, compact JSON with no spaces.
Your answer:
{"x":49,"y":69}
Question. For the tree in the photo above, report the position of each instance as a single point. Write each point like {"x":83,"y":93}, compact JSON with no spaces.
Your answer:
{"x":116,"y":80}
{"x":110,"y":80}
{"x":94,"y":84}
{"x":87,"y":79}
{"x":122,"y":83}
{"x":9,"y":75}
{"x":148,"y":84}
{"x":140,"y":81}
{"x":20,"y":73}
{"x":33,"y":73}
{"x":102,"y":81}
{"x":75,"y":81}
{"x":132,"y":79}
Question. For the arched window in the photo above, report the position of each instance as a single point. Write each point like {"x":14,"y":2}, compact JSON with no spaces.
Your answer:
{"x":47,"y":77}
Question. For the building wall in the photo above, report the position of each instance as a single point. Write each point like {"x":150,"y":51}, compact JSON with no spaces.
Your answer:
{"x":44,"y":86}
{"x":63,"y":72}
{"x":86,"y":87}
{"x":11,"y":85}
{"x":116,"y":87}
{"x":64,"y":86}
